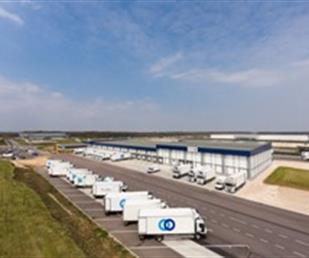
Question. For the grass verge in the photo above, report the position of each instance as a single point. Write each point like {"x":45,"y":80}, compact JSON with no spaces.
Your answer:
{"x":93,"y":241}
{"x":290,"y":177}
{"x":26,"y":227}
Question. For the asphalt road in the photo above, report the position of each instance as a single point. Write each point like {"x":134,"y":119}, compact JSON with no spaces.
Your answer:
{"x":234,"y":222}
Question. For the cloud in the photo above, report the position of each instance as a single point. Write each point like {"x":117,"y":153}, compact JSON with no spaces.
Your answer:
{"x":159,"y":67}
{"x":25,"y":105}
{"x":11,"y":17}
{"x":248,"y":78}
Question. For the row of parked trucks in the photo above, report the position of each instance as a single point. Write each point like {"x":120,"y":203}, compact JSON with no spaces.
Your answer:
{"x":98,"y":154}
{"x":203,"y":174}
{"x":153,"y":216}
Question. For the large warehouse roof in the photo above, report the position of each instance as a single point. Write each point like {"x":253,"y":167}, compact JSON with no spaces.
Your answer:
{"x":244,"y":148}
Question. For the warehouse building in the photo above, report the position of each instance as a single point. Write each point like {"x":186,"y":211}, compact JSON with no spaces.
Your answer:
{"x":225,"y":157}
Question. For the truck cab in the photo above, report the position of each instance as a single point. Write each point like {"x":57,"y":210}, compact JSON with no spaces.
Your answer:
{"x":220,"y":183}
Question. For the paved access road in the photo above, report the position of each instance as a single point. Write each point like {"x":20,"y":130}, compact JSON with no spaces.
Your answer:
{"x":267,"y":231}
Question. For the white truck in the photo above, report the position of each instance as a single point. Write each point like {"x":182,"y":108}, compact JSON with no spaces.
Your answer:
{"x":192,"y":175}
{"x":170,"y":221}
{"x":51,"y":162}
{"x":235,"y":181}
{"x":59,"y":169}
{"x":132,"y":207}
{"x":220,"y":182}
{"x":114,"y":202}
{"x":74,"y":171}
{"x":305,"y":155}
{"x":101,"y":188}
{"x":120,"y":156}
{"x":204,"y":175}
{"x":153,"y":169}
{"x":85,"y":180}
{"x":79,"y":151}
{"x":181,"y":170}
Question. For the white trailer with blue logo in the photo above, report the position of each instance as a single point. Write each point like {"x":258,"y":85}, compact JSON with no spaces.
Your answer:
{"x":114,"y":202}
{"x":73,"y":172}
{"x":85,"y":180}
{"x":171,"y":221}
{"x":132,"y":207}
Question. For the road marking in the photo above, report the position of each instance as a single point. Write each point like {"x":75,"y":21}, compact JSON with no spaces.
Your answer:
{"x":283,"y":236}
{"x":225,"y":225}
{"x":148,"y":247}
{"x":299,"y":254}
{"x":301,"y":242}
{"x":108,"y":219}
{"x":280,"y":246}
{"x":268,"y":231}
{"x":124,"y":231}
{"x":263,"y":240}
{"x":93,"y":209}
{"x":255,"y":226}
{"x":249,"y":235}
{"x":238,"y":220}
{"x":236,"y":229}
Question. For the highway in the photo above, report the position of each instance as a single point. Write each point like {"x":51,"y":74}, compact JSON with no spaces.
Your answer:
{"x":237,"y":226}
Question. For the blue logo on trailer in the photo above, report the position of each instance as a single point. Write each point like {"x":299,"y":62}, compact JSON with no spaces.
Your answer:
{"x":122,"y":202}
{"x":167,"y":224}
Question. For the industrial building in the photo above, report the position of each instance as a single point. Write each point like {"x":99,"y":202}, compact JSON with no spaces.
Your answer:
{"x":225,"y":157}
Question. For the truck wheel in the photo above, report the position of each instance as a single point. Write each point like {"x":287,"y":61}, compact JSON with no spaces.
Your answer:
{"x":160,"y":238}
{"x":197,"y":237}
{"x":141,"y":237}
{"x":125,"y":223}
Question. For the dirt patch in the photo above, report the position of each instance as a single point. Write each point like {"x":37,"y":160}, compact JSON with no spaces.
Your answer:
{"x":35,"y":162}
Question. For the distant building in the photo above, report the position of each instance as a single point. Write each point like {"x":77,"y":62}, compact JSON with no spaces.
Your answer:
{"x":42,"y":136}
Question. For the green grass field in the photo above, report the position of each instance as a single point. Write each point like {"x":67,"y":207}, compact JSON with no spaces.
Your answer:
{"x":26,"y":227}
{"x":36,"y":221}
{"x":290,"y":177}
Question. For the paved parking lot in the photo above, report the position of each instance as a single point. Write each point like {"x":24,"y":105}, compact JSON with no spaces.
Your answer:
{"x":127,"y":235}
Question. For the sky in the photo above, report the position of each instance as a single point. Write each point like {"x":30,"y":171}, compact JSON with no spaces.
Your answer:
{"x":154,"y":65}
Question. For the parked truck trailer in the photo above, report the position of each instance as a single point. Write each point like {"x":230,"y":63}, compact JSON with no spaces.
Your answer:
{"x":180,"y":171}
{"x":101,"y":188}
{"x":235,"y":181}
{"x":132,"y":207}
{"x":171,"y":221}
{"x":114,"y":202}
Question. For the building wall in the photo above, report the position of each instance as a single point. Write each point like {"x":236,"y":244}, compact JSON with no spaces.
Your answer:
{"x":222,"y":164}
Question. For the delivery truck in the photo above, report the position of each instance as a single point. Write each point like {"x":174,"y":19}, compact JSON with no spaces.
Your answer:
{"x":305,"y":155}
{"x":192,"y":175}
{"x":170,"y":221}
{"x":101,"y":188}
{"x":181,"y":170}
{"x":114,"y":202}
{"x":59,"y":169}
{"x":204,"y":175}
{"x":51,"y":162}
{"x":132,"y":207}
{"x":235,"y":181}
{"x":74,"y":171}
{"x":220,"y":182}
{"x":85,"y":180}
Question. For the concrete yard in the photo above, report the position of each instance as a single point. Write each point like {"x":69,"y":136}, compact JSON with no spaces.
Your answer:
{"x":254,"y":190}
{"x":278,"y":196}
